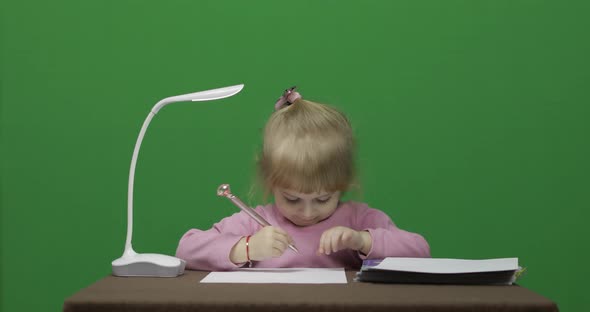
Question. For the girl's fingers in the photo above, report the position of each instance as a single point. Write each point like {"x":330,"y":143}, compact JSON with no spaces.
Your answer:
{"x":328,"y":243}
{"x":321,"y":246}
{"x":284,"y":236}
{"x":276,"y":252}
{"x":280,"y":245}
{"x":335,"y":241}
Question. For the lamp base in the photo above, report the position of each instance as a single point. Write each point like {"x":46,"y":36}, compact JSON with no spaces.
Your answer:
{"x":155,"y":265}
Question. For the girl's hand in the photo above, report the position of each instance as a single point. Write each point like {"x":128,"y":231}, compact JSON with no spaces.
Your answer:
{"x":340,"y":237}
{"x":269,"y":242}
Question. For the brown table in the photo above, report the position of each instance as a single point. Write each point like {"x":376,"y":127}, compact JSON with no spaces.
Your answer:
{"x":185,"y":293}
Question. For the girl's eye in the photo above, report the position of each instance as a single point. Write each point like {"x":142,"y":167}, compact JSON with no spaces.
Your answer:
{"x":292,"y":200}
{"x":323,"y":201}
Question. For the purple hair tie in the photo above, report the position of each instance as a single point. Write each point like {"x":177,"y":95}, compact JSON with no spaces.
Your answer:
{"x":288,"y":98}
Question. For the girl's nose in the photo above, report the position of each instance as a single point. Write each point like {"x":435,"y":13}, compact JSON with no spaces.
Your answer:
{"x":308,"y":211}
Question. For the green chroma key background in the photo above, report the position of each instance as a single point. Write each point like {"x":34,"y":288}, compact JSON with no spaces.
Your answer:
{"x":472,"y":119}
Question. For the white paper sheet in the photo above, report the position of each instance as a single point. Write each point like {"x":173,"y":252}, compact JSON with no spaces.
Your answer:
{"x":282,"y":276}
{"x":433,"y":265}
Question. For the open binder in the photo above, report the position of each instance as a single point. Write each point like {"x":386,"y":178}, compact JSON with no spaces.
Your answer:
{"x":502,"y":271}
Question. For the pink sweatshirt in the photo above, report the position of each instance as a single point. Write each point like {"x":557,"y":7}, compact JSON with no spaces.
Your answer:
{"x":209,"y":250}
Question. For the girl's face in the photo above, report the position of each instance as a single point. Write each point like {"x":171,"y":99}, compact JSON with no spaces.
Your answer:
{"x":305,"y":209}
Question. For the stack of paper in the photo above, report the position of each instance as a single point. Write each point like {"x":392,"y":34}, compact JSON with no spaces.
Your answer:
{"x":502,"y":271}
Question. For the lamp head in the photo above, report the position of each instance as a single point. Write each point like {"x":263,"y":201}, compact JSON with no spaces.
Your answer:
{"x":215,"y":94}
{"x":207,"y":95}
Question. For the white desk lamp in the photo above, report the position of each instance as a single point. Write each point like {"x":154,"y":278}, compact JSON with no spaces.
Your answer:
{"x":132,"y":263}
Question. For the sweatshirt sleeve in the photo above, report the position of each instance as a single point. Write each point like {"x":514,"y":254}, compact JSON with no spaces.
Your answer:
{"x":209,"y":250}
{"x":388,"y":239}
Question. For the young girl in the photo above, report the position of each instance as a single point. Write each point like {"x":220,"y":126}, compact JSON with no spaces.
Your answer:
{"x":306,"y":163}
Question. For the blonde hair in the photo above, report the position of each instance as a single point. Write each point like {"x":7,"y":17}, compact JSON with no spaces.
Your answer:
{"x":308,"y":147}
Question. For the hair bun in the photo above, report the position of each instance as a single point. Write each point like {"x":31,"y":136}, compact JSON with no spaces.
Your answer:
{"x":289,"y":97}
